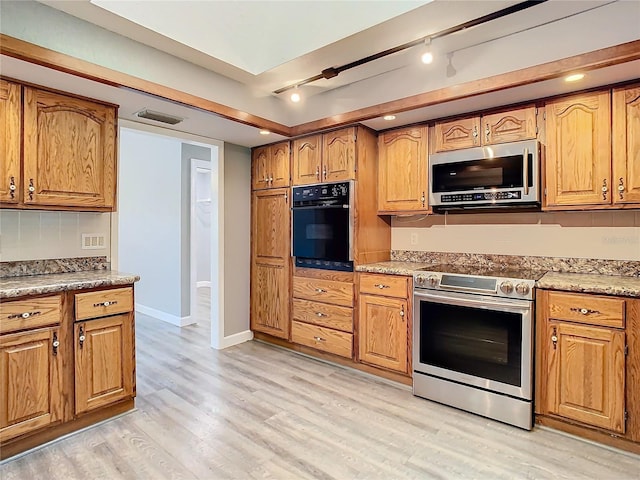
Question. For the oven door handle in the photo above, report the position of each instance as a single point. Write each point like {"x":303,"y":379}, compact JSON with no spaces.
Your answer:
{"x":320,"y":207}
{"x":484,"y":302}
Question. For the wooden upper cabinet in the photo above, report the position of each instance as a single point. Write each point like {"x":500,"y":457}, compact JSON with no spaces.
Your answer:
{"x":456,"y":134}
{"x":626,"y":146}
{"x":259,"y":167}
{"x":511,"y":126}
{"x":69,"y":151}
{"x":270,"y":262}
{"x":586,"y":374}
{"x":307,"y":160}
{"x":402,"y":170}
{"x":270,"y":166}
{"x":578,"y":153}
{"x":10,"y":140}
{"x":31,"y":379}
{"x":338,"y":155}
{"x":104,"y":360}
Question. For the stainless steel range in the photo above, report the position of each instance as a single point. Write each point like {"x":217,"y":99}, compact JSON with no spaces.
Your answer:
{"x":473,"y":340}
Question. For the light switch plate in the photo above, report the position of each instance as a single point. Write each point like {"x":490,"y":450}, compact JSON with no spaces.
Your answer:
{"x":93,"y":241}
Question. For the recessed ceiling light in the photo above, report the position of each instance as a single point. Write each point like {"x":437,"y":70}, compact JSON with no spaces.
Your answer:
{"x":295,"y":97}
{"x":264,"y":132}
{"x":574,"y":77}
{"x":389,"y":117}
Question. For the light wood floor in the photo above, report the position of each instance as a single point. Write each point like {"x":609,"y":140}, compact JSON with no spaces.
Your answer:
{"x":257,"y":412}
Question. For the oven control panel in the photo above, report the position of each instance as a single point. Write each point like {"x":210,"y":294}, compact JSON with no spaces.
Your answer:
{"x":321,"y":194}
{"x":478,"y":284}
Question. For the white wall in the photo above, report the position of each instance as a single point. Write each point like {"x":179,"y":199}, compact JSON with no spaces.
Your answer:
{"x":237,"y":239}
{"x":610,"y":235}
{"x":149,"y":216}
{"x":202,"y":219}
{"x":39,"y":235}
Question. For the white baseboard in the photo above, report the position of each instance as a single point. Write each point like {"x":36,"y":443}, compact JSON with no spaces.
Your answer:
{"x":235,"y":339}
{"x":164,"y":316}
{"x":203,"y":283}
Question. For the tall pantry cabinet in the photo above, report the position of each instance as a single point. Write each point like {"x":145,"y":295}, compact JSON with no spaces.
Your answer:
{"x":270,"y":234}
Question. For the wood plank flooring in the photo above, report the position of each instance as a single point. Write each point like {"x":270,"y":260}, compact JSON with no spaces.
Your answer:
{"x":254,"y":411}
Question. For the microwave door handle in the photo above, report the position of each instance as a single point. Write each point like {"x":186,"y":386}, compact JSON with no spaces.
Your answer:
{"x":525,"y":171}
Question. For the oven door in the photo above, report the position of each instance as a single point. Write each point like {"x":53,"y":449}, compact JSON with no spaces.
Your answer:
{"x":475,"y":340}
{"x":322,"y":232}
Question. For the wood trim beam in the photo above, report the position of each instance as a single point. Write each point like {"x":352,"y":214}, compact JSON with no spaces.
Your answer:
{"x":16,"y":48}
{"x":605,"y":57}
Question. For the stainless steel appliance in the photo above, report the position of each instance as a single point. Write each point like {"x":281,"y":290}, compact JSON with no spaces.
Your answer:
{"x":503,"y":175}
{"x":322,"y":219}
{"x":473,"y":341}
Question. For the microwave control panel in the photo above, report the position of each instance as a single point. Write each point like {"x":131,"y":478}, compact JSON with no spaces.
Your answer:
{"x":482,"y":196}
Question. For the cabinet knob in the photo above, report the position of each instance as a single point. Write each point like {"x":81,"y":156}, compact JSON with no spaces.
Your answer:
{"x":320,"y":290}
{"x":422,"y":199}
{"x":319,"y":339}
{"x":475,"y":134}
{"x":318,"y":172}
{"x":106,"y":303}
{"x":554,"y":338}
{"x":12,"y":187}
{"x":324,"y":172}
{"x":584,"y":311}
{"x":605,"y":189}
{"x":487,"y":132}
{"x":381,"y":286}
{"x":81,"y":337}
{"x":402,"y":311}
{"x":320,"y":314}
{"x":31,"y":189}
{"x":55,"y":344}
{"x":621,"y":188}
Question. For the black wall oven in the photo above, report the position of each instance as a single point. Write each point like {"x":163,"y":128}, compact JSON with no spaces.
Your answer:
{"x":322,"y":219}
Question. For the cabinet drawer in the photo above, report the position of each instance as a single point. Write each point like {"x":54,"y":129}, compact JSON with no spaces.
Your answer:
{"x":329,"y":291}
{"x":587,"y":309}
{"x":103,"y":303}
{"x":323,"y":314}
{"x":29,"y":314}
{"x":387,"y":285}
{"x":326,"y":339}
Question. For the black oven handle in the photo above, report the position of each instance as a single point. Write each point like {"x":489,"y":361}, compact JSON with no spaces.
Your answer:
{"x":484,"y":302}
{"x":321,"y":207}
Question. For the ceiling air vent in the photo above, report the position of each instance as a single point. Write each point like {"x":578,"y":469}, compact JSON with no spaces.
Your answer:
{"x":158,"y":117}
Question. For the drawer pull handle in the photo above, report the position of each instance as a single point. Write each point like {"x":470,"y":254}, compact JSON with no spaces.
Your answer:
{"x":105,"y":304}
{"x":319,"y":339}
{"x":584,"y":311}
{"x":320,"y":314}
{"x":24,"y":315}
{"x":55,"y":344}
{"x":81,"y":337}
{"x":381,"y":286}
{"x":320,"y":290}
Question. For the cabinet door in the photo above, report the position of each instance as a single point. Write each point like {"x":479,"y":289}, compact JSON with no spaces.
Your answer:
{"x":10,"y":124}
{"x":69,"y":151}
{"x":270,"y":265}
{"x":402,"y":170}
{"x":31,"y":379}
{"x":279,"y":165}
{"x":338,"y":155}
{"x":586,"y":374}
{"x":307,"y":160}
{"x":511,"y":126}
{"x":104,"y":361}
{"x":626,"y":145}
{"x":259,"y":167}
{"x":383,"y":332}
{"x":578,"y":154}
{"x":461,"y":133}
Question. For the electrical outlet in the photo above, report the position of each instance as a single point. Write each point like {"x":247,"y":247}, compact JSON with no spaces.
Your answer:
{"x":414,"y":239}
{"x":93,"y":241}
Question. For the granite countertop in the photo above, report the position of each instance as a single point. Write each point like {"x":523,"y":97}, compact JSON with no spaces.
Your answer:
{"x":12,"y":287}
{"x":591,"y":283}
{"x":626,"y":286}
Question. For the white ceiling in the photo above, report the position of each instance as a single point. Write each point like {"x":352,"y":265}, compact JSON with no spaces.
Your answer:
{"x":257,"y":36}
{"x":517,"y":41}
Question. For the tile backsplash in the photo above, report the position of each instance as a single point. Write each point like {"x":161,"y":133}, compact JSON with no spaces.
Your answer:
{"x":39,"y":235}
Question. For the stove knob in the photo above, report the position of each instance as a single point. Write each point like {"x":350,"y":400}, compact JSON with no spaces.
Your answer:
{"x":433,"y":280}
{"x":420,"y":280}
{"x":506,"y":287}
{"x":522,"y":288}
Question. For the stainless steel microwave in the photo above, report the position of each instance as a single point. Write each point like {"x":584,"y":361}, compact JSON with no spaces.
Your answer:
{"x":503,"y":175}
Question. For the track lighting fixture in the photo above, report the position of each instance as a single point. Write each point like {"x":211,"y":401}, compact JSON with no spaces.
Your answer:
{"x":295,"y":96}
{"x":427,"y":56}
{"x":451,"y":71}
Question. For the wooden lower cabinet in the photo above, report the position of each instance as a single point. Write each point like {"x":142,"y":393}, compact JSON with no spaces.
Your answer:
{"x":31,"y":379}
{"x":270,"y":299}
{"x":322,"y":338}
{"x":588,"y":364}
{"x":384,"y":321}
{"x":382,"y":329}
{"x":103,"y":361}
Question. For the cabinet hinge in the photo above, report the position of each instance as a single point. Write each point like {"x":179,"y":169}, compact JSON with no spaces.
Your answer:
{"x":626,"y":417}
{"x":536,"y":110}
{"x":544,"y":115}
{"x":626,"y":350}
{"x":545,"y":191}
{"x":537,"y":130}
